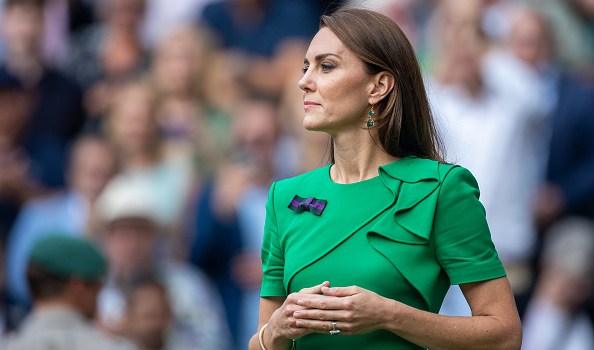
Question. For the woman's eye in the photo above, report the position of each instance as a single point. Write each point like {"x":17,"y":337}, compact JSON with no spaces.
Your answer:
{"x":304,"y":69}
{"x":326,"y":66}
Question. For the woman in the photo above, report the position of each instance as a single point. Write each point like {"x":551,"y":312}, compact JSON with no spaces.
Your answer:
{"x":131,"y":127}
{"x":387,"y":226}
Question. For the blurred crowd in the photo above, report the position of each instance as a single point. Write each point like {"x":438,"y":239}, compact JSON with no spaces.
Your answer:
{"x":154,"y":128}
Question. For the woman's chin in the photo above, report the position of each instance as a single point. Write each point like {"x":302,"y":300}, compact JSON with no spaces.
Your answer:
{"x":313,"y":125}
{"x":318,"y":128}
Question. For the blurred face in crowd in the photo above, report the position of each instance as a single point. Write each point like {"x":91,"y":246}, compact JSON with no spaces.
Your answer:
{"x":178,"y":60}
{"x":255,"y":132}
{"x":401,"y":12}
{"x":460,"y":44}
{"x":132,"y":123}
{"x":530,"y":38}
{"x":92,"y":165}
{"x":459,"y":16}
{"x":458,"y":22}
{"x":221,"y":74}
{"x":22,"y":27}
{"x":124,"y":13}
{"x":463,"y":60}
{"x":148,"y":316}
{"x":335,"y":86}
{"x":129,"y":246}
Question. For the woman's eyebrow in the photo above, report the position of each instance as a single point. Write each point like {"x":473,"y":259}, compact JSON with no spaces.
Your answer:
{"x":320,"y":57}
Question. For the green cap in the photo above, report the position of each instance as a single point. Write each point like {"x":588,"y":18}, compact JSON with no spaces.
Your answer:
{"x":69,"y":257}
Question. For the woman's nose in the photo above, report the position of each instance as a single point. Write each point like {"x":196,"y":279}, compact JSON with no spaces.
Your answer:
{"x":306,"y":82}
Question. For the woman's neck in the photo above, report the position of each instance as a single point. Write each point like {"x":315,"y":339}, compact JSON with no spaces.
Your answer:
{"x":140,"y":160}
{"x":357,"y":159}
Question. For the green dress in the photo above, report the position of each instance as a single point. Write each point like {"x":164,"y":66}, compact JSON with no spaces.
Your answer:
{"x":406,"y":234}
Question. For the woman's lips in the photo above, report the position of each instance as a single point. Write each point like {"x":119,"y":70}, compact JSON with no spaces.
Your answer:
{"x":309,"y":104}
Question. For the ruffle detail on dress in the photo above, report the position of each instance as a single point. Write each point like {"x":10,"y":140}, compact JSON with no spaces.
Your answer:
{"x":403,"y":233}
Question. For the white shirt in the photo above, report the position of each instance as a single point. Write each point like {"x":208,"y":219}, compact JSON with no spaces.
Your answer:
{"x":546,"y":327}
{"x":498,"y":136}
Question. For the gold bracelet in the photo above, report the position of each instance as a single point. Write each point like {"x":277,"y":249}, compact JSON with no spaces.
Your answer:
{"x":261,"y":336}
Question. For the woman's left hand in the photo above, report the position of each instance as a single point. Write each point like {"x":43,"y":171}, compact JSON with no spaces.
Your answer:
{"x":355,"y":311}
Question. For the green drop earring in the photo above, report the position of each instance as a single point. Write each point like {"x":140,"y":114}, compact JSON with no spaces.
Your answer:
{"x":371,"y":122}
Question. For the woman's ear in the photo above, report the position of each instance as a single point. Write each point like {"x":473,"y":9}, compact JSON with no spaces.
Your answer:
{"x":383,"y":83}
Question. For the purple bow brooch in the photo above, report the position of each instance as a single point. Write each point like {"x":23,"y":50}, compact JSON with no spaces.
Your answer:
{"x":312,"y":204}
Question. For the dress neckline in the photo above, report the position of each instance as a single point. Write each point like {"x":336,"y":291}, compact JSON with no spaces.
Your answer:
{"x":352,"y":184}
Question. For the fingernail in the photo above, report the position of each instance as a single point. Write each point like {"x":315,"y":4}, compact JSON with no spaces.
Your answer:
{"x":329,"y":290}
{"x":300,"y":302}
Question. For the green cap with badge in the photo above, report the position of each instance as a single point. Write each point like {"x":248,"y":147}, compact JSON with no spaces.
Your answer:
{"x":69,"y":257}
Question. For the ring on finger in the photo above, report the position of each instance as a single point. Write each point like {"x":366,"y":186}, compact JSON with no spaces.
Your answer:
{"x":334,"y":330}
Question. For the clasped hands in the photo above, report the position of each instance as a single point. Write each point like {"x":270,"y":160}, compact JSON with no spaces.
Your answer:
{"x":313,"y":310}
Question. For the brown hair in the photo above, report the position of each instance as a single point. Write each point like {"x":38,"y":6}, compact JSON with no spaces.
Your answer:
{"x":405,"y":125}
{"x":44,"y":284}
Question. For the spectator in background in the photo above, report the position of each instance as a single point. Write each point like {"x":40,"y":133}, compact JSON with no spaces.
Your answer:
{"x":107,"y":52}
{"x":567,"y":188}
{"x":133,"y":242}
{"x":15,"y":106}
{"x":222,"y":73}
{"x":573,"y":33}
{"x":131,"y":126}
{"x":148,"y":316}
{"x":497,"y":17}
{"x":56,"y":115}
{"x":555,"y":318}
{"x":257,"y":135}
{"x":226,"y":235}
{"x":163,"y":15}
{"x":257,"y":33}
{"x":178,"y":71}
{"x":92,"y":164}
{"x":490,"y":115}
{"x":62,"y":18}
{"x":569,"y":184}
{"x":64,"y":275}
{"x":258,"y":27}
{"x":400,"y":11}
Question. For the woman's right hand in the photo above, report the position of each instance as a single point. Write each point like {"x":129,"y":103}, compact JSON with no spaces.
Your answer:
{"x":282,"y":325}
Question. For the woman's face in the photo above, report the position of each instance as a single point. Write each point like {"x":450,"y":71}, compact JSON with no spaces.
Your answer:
{"x":149,"y":316}
{"x":177,"y":64}
{"x":129,"y":246}
{"x":336,"y":87}
{"x":133,"y":125}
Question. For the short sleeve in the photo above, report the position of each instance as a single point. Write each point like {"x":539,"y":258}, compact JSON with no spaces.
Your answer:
{"x":462,"y":239}
{"x":273,"y":261}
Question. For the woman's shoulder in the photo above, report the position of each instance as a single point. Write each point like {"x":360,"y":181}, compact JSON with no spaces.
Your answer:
{"x":413,"y":169}
{"x":314,"y":177}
